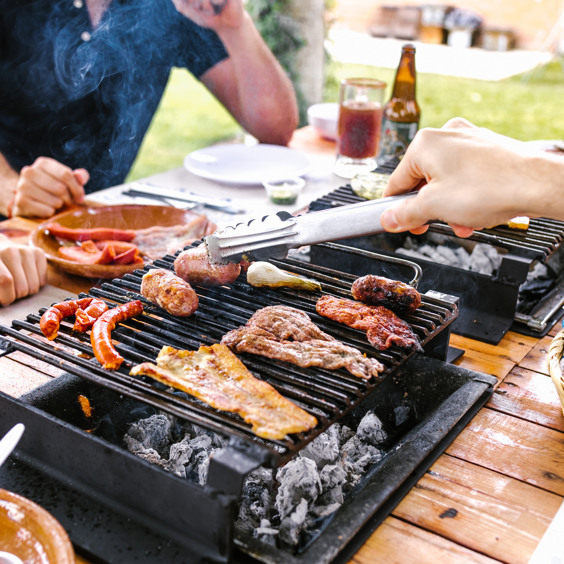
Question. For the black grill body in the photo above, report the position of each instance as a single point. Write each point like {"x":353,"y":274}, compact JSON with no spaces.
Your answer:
{"x":82,"y":473}
{"x":488,"y":304}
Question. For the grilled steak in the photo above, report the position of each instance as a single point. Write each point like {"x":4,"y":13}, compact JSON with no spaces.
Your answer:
{"x":383,"y":327}
{"x":395,"y":295}
{"x":288,"y":334}
{"x":216,"y":376}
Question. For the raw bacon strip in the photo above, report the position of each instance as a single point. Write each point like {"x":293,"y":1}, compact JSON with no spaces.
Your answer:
{"x":95,"y":234}
{"x":383,"y":327}
{"x":216,"y":376}
{"x":288,"y":334}
{"x":101,"y":335}
{"x":395,"y":295}
{"x":51,"y":320}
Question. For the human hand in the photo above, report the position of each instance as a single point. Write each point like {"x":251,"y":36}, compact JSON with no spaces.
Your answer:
{"x":468,"y":177}
{"x":212,"y":14}
{"x":23,"y":271}
{"x":46,"y":186}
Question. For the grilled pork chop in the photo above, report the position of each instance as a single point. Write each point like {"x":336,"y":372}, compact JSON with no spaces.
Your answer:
{"x":383,"y":327}
{"x":217,"y":377}
{"x":288,"y":334}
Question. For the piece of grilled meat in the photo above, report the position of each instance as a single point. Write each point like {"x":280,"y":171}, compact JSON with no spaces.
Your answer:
{"x":288,"y":334}
{"x":383,"y":327}
{"x":378,"y":290}
{"x":172,"y":293}
{"x":216,"y":376}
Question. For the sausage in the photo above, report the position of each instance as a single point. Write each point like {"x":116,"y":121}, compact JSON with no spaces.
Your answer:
{"x":172,"y":293}
{"x":95,"y":234}
{"x":51,"y":320}
{"x":395,"y":295}
{"x":101,"y":335}
{"x":193,"y":265}
{"x":85,"y":318}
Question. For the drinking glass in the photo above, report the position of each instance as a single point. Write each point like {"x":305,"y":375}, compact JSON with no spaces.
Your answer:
{"x":361,"y":103}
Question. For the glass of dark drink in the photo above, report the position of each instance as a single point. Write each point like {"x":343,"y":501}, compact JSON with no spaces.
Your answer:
{"x":361,"y":103}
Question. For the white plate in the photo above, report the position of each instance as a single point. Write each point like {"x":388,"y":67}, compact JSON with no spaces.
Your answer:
{"x":246,"y":164}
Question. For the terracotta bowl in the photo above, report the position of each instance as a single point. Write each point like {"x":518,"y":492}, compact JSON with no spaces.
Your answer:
{"x":114,"y":217}
{"x":31,"y":533}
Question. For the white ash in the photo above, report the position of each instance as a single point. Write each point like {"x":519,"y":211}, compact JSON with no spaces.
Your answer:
{"x":483,"y":258}
{"x":281,"y":507}
{"x":181,"y":448}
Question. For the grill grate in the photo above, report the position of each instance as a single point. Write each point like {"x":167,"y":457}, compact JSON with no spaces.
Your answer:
{"x":327,"y":394}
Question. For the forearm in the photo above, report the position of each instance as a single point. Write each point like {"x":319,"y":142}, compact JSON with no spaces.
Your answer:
{"x":262,"y":96}
{"x":542,"y":186}
{"x":8,"y":183}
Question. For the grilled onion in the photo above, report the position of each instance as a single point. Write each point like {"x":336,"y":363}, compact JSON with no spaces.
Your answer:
{"x":262,"y":274}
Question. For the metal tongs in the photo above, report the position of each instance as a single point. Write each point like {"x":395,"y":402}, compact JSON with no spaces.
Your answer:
{"x":274,"y":235}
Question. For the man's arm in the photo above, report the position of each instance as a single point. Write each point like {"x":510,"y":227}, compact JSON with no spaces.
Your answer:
{"x":471,"y":178}
{"x":251,"y":84}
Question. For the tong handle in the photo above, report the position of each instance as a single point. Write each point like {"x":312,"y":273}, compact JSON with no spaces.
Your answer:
{"x":354,"y":220}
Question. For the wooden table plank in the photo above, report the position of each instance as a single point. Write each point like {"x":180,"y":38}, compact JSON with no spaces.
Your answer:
{"x":480,"y":509}
{"x":536,"y":359}
{"x":396,"y":542}
{"x":531,"y":396}
{"x":514,"y":447}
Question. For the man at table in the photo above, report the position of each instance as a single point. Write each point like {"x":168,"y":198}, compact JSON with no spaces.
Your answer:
{"x":81,"y":81}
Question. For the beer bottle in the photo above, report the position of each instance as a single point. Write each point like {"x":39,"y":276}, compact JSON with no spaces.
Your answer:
{"x":401,"y":114}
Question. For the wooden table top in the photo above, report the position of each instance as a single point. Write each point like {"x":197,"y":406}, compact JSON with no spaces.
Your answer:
{"x":494,"y":492}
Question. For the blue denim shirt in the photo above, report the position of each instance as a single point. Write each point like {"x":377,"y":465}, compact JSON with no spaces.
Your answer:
{"x":85,"y":96}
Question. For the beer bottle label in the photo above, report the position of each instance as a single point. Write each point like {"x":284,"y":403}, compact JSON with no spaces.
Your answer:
{"x":395,"y":138}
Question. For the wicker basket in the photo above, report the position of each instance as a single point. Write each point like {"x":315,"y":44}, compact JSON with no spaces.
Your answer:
{"x":554,"y":368}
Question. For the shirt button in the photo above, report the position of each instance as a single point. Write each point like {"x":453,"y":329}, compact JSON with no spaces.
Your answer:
{"x":78,"y":3}
{"x":85,"y":36}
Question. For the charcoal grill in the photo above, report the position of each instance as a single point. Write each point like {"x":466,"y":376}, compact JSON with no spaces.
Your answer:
{"x":489,"y":305}
{"x":169,"y":519}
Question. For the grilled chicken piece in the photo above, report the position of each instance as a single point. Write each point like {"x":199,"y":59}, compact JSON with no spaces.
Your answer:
{"x":383,"y":327}
{"x":194,"y":266}
{"x":288,"y":334}
{"x":395,"y":295}
{"x":164,"y":288}
{"x":216,"y":376}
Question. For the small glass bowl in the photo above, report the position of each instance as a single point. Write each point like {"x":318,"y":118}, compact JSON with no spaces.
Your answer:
{"x":284,"y":192}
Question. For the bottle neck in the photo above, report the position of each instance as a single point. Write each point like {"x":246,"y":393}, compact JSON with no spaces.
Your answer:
{"x":404,"y":85}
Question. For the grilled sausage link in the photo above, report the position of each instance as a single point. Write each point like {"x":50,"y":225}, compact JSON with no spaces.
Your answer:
{"x":193,"y":265}
{"x":51,"y":320}
{"x":172,"y":293}
{"x":85,"y":318}
{"x":395,"y":295}
{"x":101,"y":335}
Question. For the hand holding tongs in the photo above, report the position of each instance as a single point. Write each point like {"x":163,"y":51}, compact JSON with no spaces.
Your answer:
{"x":274,"y":235}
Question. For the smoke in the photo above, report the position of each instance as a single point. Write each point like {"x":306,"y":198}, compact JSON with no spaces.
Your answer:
{"x":86,"y":96}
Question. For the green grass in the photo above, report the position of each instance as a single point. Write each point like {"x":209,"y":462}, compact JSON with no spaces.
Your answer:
{"x":525,"y":107}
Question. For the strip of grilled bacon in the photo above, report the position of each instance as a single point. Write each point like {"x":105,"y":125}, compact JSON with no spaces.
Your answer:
{"x":216,"y":376}
{"x":288,"y":334}
{"x":383,"y":327}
